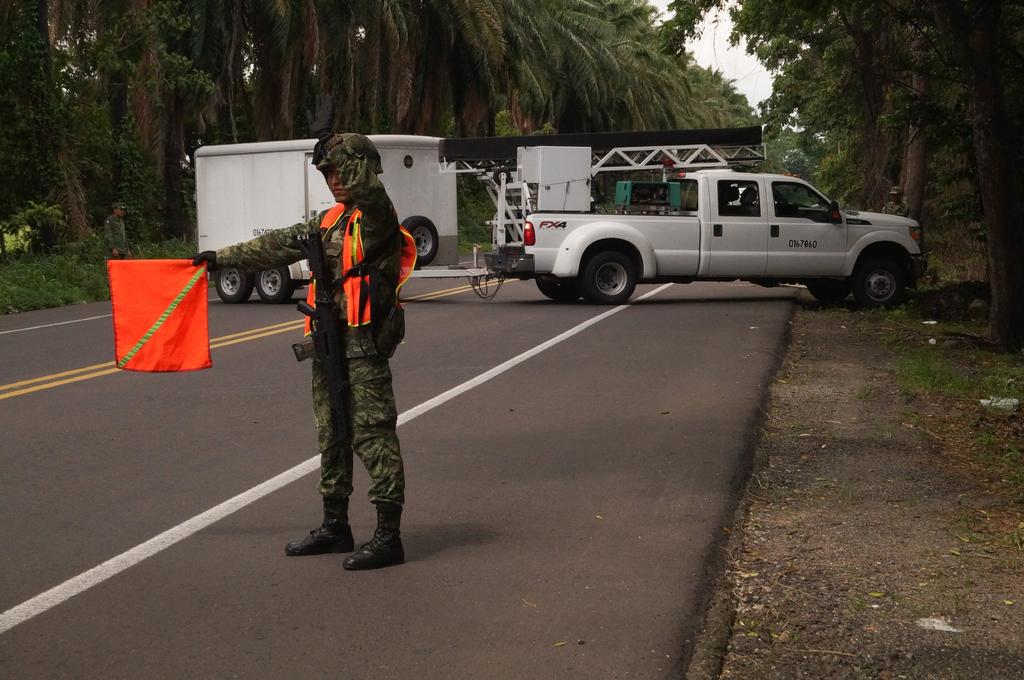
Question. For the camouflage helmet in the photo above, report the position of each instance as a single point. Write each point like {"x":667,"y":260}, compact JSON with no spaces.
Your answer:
{"x":347,"y":146}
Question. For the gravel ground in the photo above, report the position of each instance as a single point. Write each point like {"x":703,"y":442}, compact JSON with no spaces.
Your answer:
{"x":864,"y":548}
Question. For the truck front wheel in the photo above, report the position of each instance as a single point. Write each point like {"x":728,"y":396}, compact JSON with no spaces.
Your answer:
{"x":609,"y":278}
{"x":234,"y":285}
{"x":559,"y":290}
{"x":879,"y":283}
{"x":275,"y":286}
{"x":829,"y":291}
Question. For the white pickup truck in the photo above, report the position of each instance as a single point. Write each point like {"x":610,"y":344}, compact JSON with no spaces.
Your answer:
{"x":716,"y":225}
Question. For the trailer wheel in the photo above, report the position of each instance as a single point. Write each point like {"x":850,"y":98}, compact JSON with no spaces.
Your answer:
{"x":234,"y":285}
{"x":609,"y":278}
{"x":425,"y":236}
{"x":879,"y":283}
{"x":559,"y":290}
{"x":829,"y":291}
{"x":275,"y":286}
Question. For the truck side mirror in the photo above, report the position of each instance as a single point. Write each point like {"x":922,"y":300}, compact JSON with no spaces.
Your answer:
{"x":834,"y":215}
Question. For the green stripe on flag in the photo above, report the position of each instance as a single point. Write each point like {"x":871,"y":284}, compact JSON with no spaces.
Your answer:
{"x":163,"y":317}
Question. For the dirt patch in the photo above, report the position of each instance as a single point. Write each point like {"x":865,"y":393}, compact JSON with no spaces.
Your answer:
{"x":865,"y":547}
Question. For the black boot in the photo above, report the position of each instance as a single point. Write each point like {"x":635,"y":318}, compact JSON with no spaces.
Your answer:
{"x":333,"y":536}
{"x":385,"y":548}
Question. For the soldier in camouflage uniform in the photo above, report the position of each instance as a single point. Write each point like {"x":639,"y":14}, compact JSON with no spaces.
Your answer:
{"x":114,"y":234}
{"x":895,"y":204}
{"x":350,"y":165}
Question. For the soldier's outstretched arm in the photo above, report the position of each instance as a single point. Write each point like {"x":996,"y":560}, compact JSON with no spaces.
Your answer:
{"x":379,"y":221}
{"x":271,"y":250}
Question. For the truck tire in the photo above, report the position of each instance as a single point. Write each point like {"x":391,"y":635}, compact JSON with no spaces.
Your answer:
{"x":424,"y":234}
{"x":559,"y":290}
{"x":609,"y":278}
{"x":234,"y":285}
{"x":879,"y":283}
{"x":829,"y":291}
{"x":275,"y":286}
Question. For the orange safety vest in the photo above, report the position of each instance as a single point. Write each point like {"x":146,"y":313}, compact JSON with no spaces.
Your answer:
{"x":357,"y":288}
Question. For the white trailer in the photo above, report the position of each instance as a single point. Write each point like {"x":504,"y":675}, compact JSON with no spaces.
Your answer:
{"x":244,"y":190}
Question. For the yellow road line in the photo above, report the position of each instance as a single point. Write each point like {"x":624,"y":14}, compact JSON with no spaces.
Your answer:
{"x":107,"y":368}
{"x":54,"y":376}
{"x":438,"y":294}
{"x":58,"y":383}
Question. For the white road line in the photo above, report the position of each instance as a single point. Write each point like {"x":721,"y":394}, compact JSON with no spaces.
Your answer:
{"x":59,"y":323}
{"x":115,"y":565}
{"x":62,"y":323}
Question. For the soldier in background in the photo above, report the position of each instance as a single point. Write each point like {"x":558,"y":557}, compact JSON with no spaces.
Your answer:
{"x":114,"y":234}
{"x":362,"y":225}
{"x":896,"y":205}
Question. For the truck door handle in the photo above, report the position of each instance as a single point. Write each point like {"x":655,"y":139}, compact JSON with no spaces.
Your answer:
{"x":775,"y":231}
{"x":716,"y":229}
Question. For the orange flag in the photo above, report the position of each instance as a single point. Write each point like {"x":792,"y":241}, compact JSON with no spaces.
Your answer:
{"x":160,"y":319}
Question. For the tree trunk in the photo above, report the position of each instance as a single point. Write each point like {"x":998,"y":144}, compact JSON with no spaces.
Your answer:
{"x":972,"y":32}
{"x":876,"y":144}
{"x":46,"y":132}
{"x":175,"y":223}
{"x":915,"y":162}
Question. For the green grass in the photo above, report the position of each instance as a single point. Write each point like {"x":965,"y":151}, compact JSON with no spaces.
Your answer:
{"x":962,"y":374}
{"x":924,"y":371}
{"x":75,"y":276}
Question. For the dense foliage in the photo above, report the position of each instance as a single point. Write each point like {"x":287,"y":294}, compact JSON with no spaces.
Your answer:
{"x":924,"y":94}
{"x":109,"y":98}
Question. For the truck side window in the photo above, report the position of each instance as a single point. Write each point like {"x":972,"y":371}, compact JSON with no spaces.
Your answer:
{"x":798,"y":200}
{"x":688,"y":189}
{"x":738,"y":198}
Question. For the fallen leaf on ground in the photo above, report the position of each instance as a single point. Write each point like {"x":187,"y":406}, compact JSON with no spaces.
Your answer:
{"x":877,"y":594}
{"x":559,"y":644}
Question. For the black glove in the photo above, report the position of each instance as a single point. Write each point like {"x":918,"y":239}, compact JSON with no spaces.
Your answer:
{"x":207,"y":256}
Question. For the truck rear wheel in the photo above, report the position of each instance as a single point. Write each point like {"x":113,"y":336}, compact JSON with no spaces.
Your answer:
{"x":424,"y":234}
{"x":234,"y":285}
{"x":829,"y":291}
{"x":879,"y":283}
{"x":559,"y":290}
{"x":609,"y":278}
{"x":275,"y":286}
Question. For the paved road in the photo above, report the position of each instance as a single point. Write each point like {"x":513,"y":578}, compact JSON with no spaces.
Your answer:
{"x":559,"y":514}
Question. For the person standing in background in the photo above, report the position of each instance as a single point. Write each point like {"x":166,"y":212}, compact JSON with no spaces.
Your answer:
{"x":114,"y":234}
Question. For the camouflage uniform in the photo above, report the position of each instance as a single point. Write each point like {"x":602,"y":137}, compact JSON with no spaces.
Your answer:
{"x":114,"y":234}
{"x":896,"y":208}
{"x":895,"y":204}
{"x":371,"y":408}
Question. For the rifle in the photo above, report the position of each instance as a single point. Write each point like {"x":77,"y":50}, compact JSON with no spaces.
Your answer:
{"x":326,"y":341}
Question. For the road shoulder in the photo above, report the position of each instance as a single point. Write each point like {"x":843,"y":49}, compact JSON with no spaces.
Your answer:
{"x":862,"y":548}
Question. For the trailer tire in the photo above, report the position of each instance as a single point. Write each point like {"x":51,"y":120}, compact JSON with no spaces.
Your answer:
{"x":234,"y":285}
{"x":424,"y":234}
{"x":609,"y":278}
{"x":879,"y":283}
{"x":275,"y":286}
{"x":559,"y":290}
{"x":829,"y":291}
